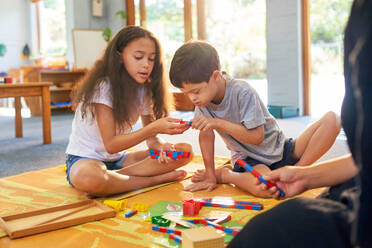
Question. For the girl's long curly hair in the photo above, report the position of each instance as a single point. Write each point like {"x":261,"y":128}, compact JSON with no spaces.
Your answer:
{"x":124,"y":89}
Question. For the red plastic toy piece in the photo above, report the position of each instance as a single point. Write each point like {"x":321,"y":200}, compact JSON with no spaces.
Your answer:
{"x":190,"y":207}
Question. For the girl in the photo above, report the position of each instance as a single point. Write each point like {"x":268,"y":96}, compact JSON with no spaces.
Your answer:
{"x":127,"y":82}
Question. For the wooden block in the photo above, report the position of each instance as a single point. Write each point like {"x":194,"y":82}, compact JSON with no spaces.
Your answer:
{"x":48,"y":219}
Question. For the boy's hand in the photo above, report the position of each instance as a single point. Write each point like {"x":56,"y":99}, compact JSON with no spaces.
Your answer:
{"x":204,"y":123}
{"x":208,"y":184}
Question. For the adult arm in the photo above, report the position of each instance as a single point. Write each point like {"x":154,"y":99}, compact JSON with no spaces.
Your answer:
{"x":296,"y":179}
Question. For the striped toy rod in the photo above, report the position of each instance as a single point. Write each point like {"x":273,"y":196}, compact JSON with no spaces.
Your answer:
{"x":188,"y":122}
{"x":166,"y":230}
{"x":171,"y":154}
{"x":131,"y":213}
{"x":234,"y":202}
{"x":227,"y":230}
{"x":255,"y":173}
{"x":175,"y":237}
{"x":238,"y":206}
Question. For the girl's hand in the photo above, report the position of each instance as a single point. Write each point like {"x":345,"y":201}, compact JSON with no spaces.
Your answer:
{"x":169,"y":125}
{"x":163,"y":156}
{"x":204,"y":123}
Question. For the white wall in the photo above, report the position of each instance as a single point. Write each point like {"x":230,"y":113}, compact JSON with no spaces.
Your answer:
{"x":79,"y":15}
{"x":284,"y":63}
{"x":14,"y":31}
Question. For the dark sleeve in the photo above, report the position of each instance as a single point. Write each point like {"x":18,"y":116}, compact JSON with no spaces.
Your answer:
{"x":356,"y":111}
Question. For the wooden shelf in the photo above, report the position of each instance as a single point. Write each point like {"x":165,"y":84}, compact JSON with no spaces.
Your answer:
{"x":63,"y":84}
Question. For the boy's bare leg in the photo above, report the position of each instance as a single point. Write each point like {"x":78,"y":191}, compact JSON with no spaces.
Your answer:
{"x":243,"y":180}
{"x":317,"y":139}
{"x":92,"y":176}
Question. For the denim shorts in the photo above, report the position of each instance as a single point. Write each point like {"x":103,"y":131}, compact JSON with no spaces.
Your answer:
{"x":110,"y":165}
{"x":287,"y":159}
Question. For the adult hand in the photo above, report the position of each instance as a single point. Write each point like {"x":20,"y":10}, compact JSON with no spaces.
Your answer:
{"x":290,"y":179}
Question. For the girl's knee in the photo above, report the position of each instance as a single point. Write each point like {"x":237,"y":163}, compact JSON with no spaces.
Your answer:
{"x":91,"y":179}
{"x":186,"y":147}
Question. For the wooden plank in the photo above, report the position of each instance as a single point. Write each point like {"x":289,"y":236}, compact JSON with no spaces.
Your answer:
{"x":48,"y":219}
{"x":200,"y":6}
{"x":46,"y":115}
{"x":187,"y":15}
{"x":19,"y":91}
{"x":131,"y":15}
{"x":306,"y":70}
{"x":18,"y":117}
{"x":142,"y":6}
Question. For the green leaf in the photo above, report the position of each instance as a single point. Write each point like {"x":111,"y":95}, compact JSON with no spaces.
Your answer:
{"x":122,"y":14}
{"x":107,"y":33}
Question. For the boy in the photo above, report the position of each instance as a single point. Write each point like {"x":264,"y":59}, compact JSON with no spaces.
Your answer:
{"x":233,"y":108}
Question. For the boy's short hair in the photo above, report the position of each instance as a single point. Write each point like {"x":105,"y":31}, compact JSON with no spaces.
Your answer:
{"x":193,"y":62}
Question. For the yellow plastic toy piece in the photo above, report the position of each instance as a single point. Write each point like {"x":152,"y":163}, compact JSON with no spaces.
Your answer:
{"x":140,"y":207}
{"x":117,"y":205}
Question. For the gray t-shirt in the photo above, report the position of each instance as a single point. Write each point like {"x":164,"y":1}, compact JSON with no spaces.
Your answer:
{"x":242,"y":105}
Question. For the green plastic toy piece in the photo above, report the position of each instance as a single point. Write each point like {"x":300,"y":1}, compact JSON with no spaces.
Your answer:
{"x":160,"y":221}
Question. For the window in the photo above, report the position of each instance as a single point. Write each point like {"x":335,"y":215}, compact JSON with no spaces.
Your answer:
{"x":52,"y":28}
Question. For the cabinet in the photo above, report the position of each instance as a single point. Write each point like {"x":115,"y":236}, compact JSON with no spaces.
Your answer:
{"x":182,"y":102}
{"x":60,"y":91}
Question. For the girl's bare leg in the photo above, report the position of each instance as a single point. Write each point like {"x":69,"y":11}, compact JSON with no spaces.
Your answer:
{"x":151,"y":167}
{"x":91,"y":175}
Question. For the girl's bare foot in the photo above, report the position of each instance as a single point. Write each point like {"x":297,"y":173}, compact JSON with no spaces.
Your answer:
{"x":200,"y":174}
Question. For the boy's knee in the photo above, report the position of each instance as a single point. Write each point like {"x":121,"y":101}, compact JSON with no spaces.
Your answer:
{"x":332,"y":119}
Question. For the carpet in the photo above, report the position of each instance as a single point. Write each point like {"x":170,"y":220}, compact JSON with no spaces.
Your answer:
{"x":48,"y":187}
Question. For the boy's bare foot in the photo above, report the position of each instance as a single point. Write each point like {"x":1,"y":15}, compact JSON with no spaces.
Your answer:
{"x":172,"y":176}
{"x":199,"y":175}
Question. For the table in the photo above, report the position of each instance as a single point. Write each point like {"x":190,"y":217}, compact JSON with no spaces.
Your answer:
{"x":29,"y":89}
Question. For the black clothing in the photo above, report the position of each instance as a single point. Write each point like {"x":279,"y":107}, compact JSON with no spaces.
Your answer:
{"x":342,"y":217}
